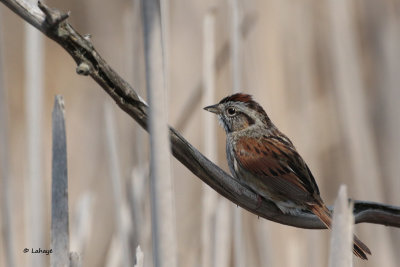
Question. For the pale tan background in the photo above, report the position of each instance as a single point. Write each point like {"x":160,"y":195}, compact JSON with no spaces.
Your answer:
{"x":342,"y":112}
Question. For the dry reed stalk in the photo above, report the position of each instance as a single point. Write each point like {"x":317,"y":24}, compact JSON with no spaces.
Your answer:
{"x":235,"y":46}
{"x":164,"y":13}
{"x":161,"y":185}
{"x":209,"y":199}
{"x":122,"y":221}
{"x":139,"y":196}
{"x":209,"y":129}
{"x":138,"y":180}
{"x":34,"y":202}
{"x":139,"y":257}
{"x":7,"y":229}
{"x":59,"y":189}
{"x":341,"y":254}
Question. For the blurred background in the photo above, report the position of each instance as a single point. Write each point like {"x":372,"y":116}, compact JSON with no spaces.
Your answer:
{"x":327,"y":73}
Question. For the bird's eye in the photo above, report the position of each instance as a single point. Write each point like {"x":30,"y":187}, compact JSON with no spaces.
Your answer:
{"x":231,"y":111}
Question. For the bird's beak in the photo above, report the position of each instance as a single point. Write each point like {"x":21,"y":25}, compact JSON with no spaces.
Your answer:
{"x":214,"y":109}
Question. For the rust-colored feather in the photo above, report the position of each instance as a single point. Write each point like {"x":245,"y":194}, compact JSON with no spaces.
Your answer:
{"x":239,"y":97}
{"x":279,"y":167}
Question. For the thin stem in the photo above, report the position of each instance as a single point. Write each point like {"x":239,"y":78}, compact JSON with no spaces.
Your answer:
{"x":59,"y":189}
{"x":161,"y":187}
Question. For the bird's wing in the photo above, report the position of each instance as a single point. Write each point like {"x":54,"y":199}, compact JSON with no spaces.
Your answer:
{"x":280,"y":168}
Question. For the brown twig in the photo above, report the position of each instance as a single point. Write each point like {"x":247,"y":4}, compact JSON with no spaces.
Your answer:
{"x":83,"y":52}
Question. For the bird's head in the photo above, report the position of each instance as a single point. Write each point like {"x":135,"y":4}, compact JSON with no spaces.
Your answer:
{"x":238,"y":112}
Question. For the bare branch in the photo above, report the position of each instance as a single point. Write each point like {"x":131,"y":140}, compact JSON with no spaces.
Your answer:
{"x":82,"y":51}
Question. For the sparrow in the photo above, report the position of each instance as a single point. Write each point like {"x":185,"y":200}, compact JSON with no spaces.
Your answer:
{"x":266,"y":161}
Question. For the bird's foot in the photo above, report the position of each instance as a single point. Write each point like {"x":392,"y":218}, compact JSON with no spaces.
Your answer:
{"x":259,"y":201}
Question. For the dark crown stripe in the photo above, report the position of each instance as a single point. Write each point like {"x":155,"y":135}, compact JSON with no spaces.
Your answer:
{"x":239,"y":97}
{"x":248,"y":100}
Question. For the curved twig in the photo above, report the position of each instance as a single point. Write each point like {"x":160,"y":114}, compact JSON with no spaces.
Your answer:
{"x":53,"y":24}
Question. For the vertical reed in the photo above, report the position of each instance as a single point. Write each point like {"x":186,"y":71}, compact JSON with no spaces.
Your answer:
{"x":34,"y":83}
{"x":59,"y":189}
{"x":342,"y":231}
{"x":161,"y":186}
{"x":209,"y":198}
{"x":6,"y":207}
{"x":122,"y":221}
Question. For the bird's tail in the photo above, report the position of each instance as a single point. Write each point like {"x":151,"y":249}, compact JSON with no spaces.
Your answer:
{"x":359,"y":248}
